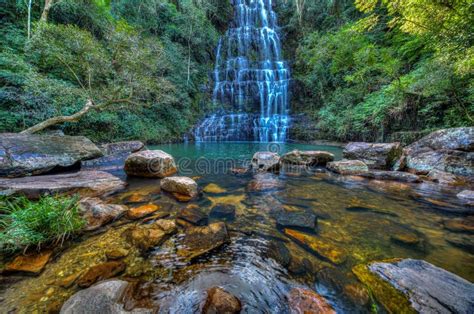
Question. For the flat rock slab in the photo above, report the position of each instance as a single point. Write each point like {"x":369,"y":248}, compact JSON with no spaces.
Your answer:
{"x":201,"y":240}
{"x":86,"y":183}
{"x":429,"y":288}
{"x":97,"y":213}
{"x":391,"y":175}
{"x":26,"y":154}
{"x":29,"y":263}
{"x":347,"y":167}
{"x":374,"y":155}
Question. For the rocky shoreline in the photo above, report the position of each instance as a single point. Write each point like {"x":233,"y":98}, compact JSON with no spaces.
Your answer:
{"x":36,"y":165}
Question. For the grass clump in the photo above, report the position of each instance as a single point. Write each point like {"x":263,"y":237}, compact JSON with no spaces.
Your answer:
{"x":25,"y":223}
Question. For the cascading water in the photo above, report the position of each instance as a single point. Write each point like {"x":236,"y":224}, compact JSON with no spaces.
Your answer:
{"x":250,"y":79}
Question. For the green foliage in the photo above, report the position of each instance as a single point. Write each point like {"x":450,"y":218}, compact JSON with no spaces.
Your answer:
{"x":25,"y":223}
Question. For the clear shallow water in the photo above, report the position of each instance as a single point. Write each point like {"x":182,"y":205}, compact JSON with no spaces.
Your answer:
{"x":355,"y":215}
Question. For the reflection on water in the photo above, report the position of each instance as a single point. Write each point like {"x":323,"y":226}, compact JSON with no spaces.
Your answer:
{"x":366,"y":220}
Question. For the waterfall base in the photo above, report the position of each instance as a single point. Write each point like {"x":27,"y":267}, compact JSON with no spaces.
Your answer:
{"x":242,"y":127}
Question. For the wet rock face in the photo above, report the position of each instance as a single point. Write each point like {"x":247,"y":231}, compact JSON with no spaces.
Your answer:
{"x":29,"y":263}
{"x":25,"y":154}
{"x":97,"y":213}
{"x":123,"y":147}
{"x":101,"y":298}
{"x":391,"y":175}
{"x":86,"y":183}
{"x":448,"y":150}
{"x":180,"y":185}
{"x":200,"y":240}
{"x":150,"y":164}
{"x":429,"y":288}
{"x":348,"y":167}
{"x":193,"y":215}
{"x":307,"y":158}
{"x":220,"y":301}
{"x":100,"y":272}
{"x":265,"y":161}
{"x":302,"y":301}
{"x":375,"y":155}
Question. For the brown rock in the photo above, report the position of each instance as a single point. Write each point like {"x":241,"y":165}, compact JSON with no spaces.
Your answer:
{"x":380,"y":156}
{"x":123,"y":147}
{"x":180,"y":185}
{"x":141,"y":211}
{"x":138,"y":295}
{"x":307,"y":158}
{"x":303,"y":301}
{"x":97,"y":213}
{"x":220,"y":301}
{"x":146,"y":237}
{"x":69,"y":280}
{"x":167,"y":225}
{"x":200,"y":240}
{"x":239,"y":171}
{"x":100,"y":272}
{"x":263,"y":182}
{"x":319,"y":247}
{"x":181,"y":197}
{"x":213,"y":188}
{"x":115,"y":254}
{"x":460,"y":224}
{"x":193,"y":215}
{"x":151,"y":164}
{"x":29,"y":263}
{"x":357,"y":294}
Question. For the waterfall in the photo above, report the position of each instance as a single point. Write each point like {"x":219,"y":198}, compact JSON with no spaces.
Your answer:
{"x":250,"y":79}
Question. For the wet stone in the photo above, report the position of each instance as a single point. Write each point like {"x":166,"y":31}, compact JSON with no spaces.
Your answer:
{"x":193,"y":215}
{"x":68,"y":281}
{"x":462,"y":225}
{"x":467,"y":196}
{"x":464,"y":242}
{"x":224,"y":211}
{"x":142,"y":211}
{"x":405,"y":238}
{"x":213,"y":188}
{"x":137,"y":295}
{"x":100,"y":272}
{"x":198,"y":241}
{"x":263,"y":182}
{"x":296,"y":220}
{"x":29,"y":263}
{"x":167,"y":225}
{"x":145,"y":237}
{"x":357,"y":294}
{"x":307,"y":301}
{"x":265,"y":161}
{"x":97,"y":213}
{"x":220,"y":301}
{"x":180,"y":185}
{"x":116,"y":254}
{"x":151,"y":164}
{"x":279,"y":252}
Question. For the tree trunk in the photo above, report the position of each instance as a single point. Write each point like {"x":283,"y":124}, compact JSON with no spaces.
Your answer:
{"x":47,"y":7}
{"x":60,"y":119}
{"x":29,"y":18}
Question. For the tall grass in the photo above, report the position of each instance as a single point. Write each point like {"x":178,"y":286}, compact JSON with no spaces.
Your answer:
{"x":25,"y":223}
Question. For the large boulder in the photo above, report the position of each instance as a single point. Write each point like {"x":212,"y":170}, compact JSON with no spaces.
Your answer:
{"x":97,"y":213}
{"x":448,"y":150}
{"x":150,"y":164}
{"x":180,"y":185}
{"x":265,"y":161}
{"x":86,"y":183}
{"x":375,"y":155}
{"x":429,"y":289}
{"x":101,"y":298}
{"x":25,"y":154}
{"x":307,"y":158}
{"x":347,"y":167}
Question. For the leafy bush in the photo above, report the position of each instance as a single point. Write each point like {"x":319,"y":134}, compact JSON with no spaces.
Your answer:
{"x":25,"y":223}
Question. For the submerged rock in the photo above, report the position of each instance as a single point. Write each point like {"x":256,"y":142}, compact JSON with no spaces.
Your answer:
{"x":302,"y":301}
{"x":86,"y":183}
{"x":180,"y":185}
{"x":193,"y":215}
{"x":430,"y":289}
{"x":142,"y":211}
{"x":318,"y":246}
{"x":224,"y":211}
{"x":116,"y":254}
{"x":213,"y":188}
{"x":151,"y":164}
{"x":375,"y":155}
{"x":29,"y":263}
{"x":307,"y":158}
{"x":101,"y":298}
{"x":220,"y":301}
{"x":347,"y":167}
{"x":391,"y":175}
{"x":296,"y":220}
{"x":97,"y":213}
{"x":31,"y":154}
{"x":463,"y":225}
{"x":448,"y":150}
{"x":100,"y":272}
{"x":265,"y":161}
{"x":198,"y":241}
{"x":145,"y":237}
{"x":463,"y":242}
{"x":263,"y":182}
{"x":467,"y":196}
{"x":279,"y":252}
